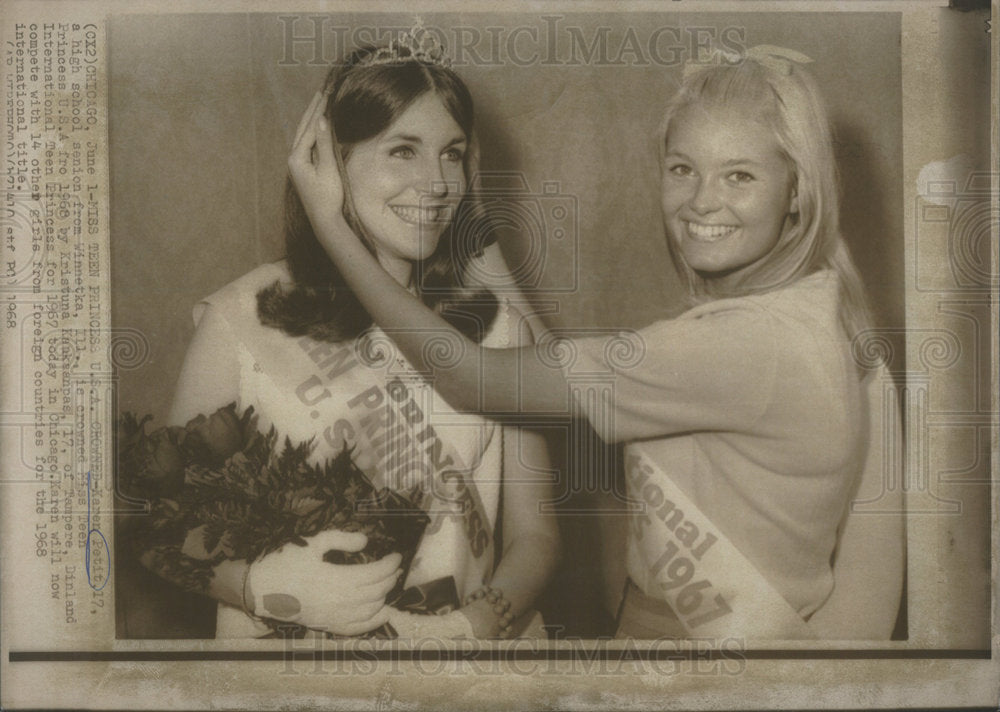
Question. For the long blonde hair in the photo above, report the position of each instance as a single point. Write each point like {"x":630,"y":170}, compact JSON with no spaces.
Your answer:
{"x":785,"y":97}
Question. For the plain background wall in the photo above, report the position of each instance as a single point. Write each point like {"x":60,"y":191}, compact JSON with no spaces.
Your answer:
{"x":203,"y":113}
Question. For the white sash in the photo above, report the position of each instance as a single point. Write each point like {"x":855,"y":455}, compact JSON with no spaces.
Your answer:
{"x":677,"y":554}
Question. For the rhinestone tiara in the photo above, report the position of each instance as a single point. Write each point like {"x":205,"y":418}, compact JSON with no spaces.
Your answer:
{"x":416,"y":45}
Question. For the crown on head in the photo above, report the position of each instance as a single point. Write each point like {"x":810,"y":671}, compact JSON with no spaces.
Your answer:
{"x":416,"y":45}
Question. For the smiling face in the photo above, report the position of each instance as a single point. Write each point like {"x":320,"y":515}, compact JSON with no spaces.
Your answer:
{"x":727,"y":190}
{"x":407,"y":181}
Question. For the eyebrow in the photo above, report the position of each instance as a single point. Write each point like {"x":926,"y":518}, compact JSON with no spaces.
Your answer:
{"x":740,"y":162}
{"x":726,"y":164}
{"x":410,"y":138}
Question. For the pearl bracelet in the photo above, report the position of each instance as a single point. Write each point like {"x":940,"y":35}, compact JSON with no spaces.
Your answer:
{"x":501,"y":607}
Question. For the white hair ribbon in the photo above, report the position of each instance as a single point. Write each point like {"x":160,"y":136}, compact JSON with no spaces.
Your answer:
{"x":779,"y":59}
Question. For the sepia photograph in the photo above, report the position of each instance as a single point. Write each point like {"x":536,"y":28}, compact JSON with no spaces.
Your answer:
{"x":527,"y":356}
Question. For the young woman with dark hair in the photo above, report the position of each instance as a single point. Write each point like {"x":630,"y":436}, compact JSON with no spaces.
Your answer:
{"x":292,"y":340}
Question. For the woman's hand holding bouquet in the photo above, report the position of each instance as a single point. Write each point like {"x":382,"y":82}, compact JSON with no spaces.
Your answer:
{"x":294,"y":584}
{"x":316,"y":545}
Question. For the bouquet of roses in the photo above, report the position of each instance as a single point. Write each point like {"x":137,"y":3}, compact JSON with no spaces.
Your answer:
{"x":219,"y":489}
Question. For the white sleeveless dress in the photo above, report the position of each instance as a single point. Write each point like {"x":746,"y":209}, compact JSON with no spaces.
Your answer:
{"x":365,"y":395}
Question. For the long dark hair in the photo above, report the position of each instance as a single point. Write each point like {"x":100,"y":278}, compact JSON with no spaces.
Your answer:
{"x":363,"y":100}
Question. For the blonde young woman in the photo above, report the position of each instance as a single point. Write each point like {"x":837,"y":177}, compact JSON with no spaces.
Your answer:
{"x":749,"y":428}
